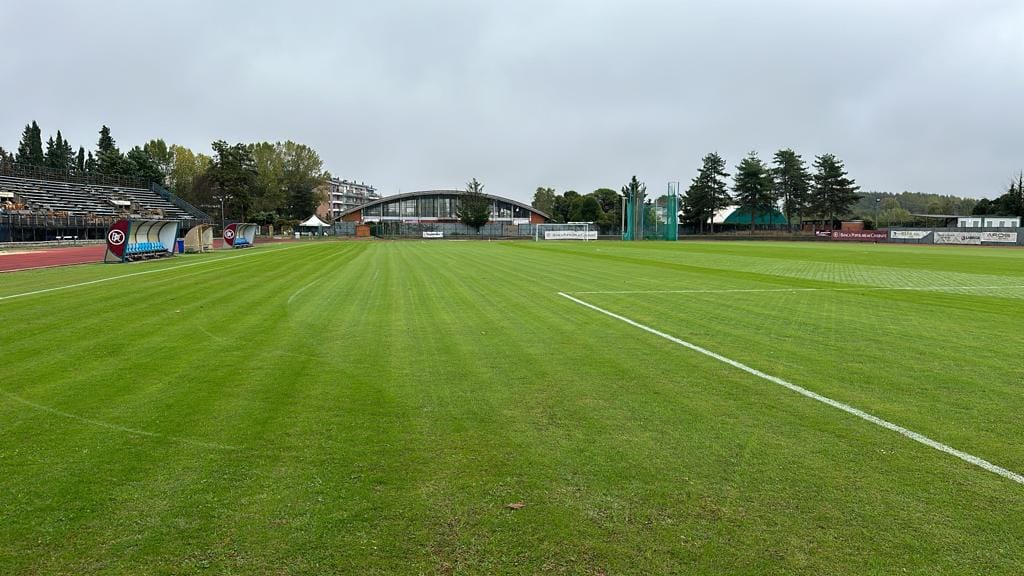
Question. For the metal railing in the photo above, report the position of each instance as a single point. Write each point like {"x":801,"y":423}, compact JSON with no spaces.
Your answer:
{"x":180,"y":203}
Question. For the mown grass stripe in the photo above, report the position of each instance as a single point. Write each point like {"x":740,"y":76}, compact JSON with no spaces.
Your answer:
{"x":970,"y":458}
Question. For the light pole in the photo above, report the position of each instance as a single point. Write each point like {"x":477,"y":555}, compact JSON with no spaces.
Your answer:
{"x":877,"y":202}
{"x":222,"y":199}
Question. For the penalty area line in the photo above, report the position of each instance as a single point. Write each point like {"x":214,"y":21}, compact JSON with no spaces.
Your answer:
{"x":850,"y":289}
{"x":969,"y":458}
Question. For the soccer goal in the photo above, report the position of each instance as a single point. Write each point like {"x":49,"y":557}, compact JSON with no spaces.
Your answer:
{"x":569,"y":231}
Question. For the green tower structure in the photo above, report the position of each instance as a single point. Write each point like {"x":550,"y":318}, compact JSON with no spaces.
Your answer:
{"x":672,"y":212}
{"x":634,"y":195}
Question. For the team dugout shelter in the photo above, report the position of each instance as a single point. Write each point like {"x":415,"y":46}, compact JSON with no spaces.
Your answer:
{"x":240,"y":235}
{"x":439,"y":206}
{"x":132,"y":240}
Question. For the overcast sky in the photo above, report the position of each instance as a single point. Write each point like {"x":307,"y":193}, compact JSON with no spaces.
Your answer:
{"x":920,"y":95}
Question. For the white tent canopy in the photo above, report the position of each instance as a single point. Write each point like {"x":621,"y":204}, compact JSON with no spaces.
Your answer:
{"x":314,"y":222}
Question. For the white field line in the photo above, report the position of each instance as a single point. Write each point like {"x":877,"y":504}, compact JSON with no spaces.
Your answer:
{"x":111,"y":278}
{"x":116,"y":427}
{"x":815,"y":396}
{"x":301,"y":290}
{"x":859,"y":289}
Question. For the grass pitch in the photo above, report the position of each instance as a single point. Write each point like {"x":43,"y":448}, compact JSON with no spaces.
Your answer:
{"x":371,"y":407}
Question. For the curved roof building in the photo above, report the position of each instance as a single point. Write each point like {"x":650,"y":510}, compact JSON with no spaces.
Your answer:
{"x":438,"y":206}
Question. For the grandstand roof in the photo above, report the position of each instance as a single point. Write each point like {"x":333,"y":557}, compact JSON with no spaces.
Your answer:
{"x":394,"y":197}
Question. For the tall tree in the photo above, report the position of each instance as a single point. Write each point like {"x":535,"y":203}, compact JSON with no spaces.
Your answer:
{"x":68,"y":155}
{"x":30,"y":149}
{"x":544,"y":200}
{"x":588,"y":209}
{"x":138,"y":163}
{"x":753,"y":188}
{"x":58,"y":155}
{"x":792,"y":183}
{"x":565,"y":205}
{"x":271,"y":193}
{"x":834,"y":191}
{"x":50,"y":155}
{"x":474,"y":209}
{"x":161,"y":155}
{"x":304,"y":176}
{"x":186,"y":168}
{"x":1012,"y":202}
{"x":611,"y":209}
{"x":233,"y":176}
{"x":90,"y":164}
{"x":80,"y":161}
{"x":708,"y":192}
{"x":106,"y":142}
{"x":108,"y":158}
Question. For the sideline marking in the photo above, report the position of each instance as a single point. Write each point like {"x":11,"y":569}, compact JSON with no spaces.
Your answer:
{"x":116,"y":427}
{"x":985,"y":464}
{"x":226,"y":258}
{"x":860,"y":289}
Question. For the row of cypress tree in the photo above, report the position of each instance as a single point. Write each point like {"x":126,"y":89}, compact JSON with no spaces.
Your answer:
{"x":59,"y":155}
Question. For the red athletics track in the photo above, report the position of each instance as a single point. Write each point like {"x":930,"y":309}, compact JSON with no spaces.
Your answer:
{"x":47,"y":257}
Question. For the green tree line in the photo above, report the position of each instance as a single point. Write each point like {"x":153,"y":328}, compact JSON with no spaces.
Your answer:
{"x":758,"y":188}
{"x":602,"y":206}
{"x":262,"y":182}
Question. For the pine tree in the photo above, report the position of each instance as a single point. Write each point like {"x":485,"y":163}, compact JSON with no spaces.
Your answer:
{"x":753,"y":187}
{"x":90,"y":164}
{"x":81,"y":160}
{"x":708,"y":192}
{"x":108,"y":158}
{"x":50,"y":156}
{"x":792,"y":183}
{"x":30,"y":149}
{"x":106,"y":142}
{"x":834,"y":191}
{"x":474,"y":209}
{"x":68,"y":154}
{"x":58,"y":154}
{"x":1011,"y":203}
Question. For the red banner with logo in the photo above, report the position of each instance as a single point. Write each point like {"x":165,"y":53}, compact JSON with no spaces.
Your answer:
{"x":861,"y":235}
{"x":117,"y":238}
{"x":229,"y":234}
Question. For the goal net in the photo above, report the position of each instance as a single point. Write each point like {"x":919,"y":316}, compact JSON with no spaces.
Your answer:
{"x":568,"y":231}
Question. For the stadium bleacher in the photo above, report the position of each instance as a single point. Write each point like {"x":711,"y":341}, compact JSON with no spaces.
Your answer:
{"x":76,"y":199}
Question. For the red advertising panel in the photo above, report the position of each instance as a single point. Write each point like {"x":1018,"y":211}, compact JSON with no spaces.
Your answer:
{"x":861,"y":235}
{"x":229,"y":234}
{"x":117,"y":238}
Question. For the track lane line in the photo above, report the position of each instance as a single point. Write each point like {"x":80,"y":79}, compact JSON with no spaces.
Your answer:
{"x":969,"y":458}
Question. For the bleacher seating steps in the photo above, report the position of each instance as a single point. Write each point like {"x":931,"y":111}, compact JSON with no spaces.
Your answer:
{"x":89,"y":199}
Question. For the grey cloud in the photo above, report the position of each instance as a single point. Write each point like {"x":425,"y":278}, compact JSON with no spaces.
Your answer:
{"x":918,"y":95}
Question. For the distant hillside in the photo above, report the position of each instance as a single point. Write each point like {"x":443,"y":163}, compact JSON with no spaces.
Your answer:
{"x":912,"y":202}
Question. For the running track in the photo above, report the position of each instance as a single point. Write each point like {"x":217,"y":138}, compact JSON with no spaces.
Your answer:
{"x":48,"y":257}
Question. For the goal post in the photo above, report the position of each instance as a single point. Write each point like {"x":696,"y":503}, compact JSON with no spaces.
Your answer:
{"x":584,"y":231}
